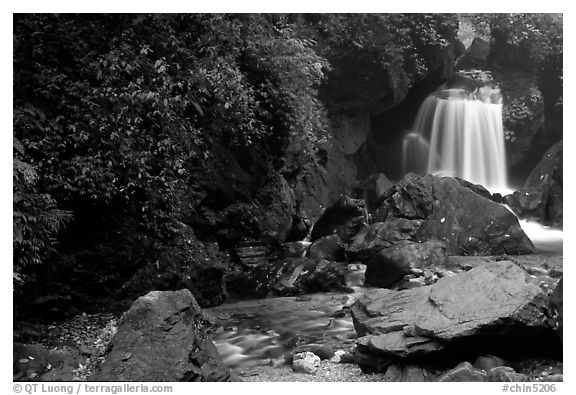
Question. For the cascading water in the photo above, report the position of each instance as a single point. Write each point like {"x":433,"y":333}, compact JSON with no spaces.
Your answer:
{"x":460,"y":134}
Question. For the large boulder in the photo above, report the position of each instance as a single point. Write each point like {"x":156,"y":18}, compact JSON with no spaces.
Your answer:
{"x":343,"y":217}
{"x":379,"y":235}
{"x":541,"y":197}
{"x":493,"y":308}
{"x":391,"y":264}
{"x":288,"y":277}
{"x":162,"y":338}
{"x":468,"y":223}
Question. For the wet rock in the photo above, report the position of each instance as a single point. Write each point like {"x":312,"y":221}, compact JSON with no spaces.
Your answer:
{"x":476,"y":188}
{"x":468,"y":223}
{"x":391,"y":264}
{"x":289,"y":277}
{"x":377,"y":236}
{"x":341,"y":217}
{"x":556,"y":308}
{"x":342,"y":356}
{"x":464,"y":372}
{"x":411,"y":198}
{"x":323,"y":351}
{"x":374,"y":189}
{"x":405,"y":373}
{"x":495,"y":307}
{"x":162,"y":338}
{"x":306,"y":362}
{"x":505,"y":374}
{"x":328,"y":247}
{"x":296,"y":249}
{"x":488,"y":362}
{"x":409,"y":283}
{"x":541,"y":197}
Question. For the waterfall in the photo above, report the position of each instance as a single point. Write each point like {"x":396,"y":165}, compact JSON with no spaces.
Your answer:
{"x":460,"y":134}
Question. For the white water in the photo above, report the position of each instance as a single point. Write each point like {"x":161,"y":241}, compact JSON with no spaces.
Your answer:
{"x":460,"y":134}
{"x":547,"y":240}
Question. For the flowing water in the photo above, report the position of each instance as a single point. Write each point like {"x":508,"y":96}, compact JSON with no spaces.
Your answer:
{"x":258,"y":331}
{"x":456,"y":133}
{"x":459,"y":134}
{"x":546,"y":240}
{"x":254,"y":332}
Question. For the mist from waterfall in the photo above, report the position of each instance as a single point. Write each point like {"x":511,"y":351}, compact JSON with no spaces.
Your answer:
{"x":460,"y":134}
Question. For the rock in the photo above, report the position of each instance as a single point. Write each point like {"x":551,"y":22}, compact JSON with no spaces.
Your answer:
{"x":468,"y":223}
{"x":505,"y":374}
{"x":411,"y":198}
{"x":251,"y":252}
{"x":541,"y":197}
{"x":342,"y":356}
{"x":323,"y":183}
{"x":392,"y":264}
{"x":322,"y":351}
{"x":374,"y":189}
{"x":476,"y":55}
{"x":409,"y":283}
{"x":556,"y":308}
{"x":555,"y":273}
{"x":469,"y":262}
{"x":289,"y":277}
{"x":40,"y":363}
{"x":328,"y":247}
{"x":355,"y":274}
{"x":462,"y":373}
{"x":493,"y":308}
{"x":338,"y":217}
{"x":405,"y":373}
{"x":306,"y":362}
{"x":295,"y":249}
{"x":162,"y":338}
{"x":366,"y":243}
{"x":488,"y":362}
{"x":535,"y":271}
{"x":299,"y":230}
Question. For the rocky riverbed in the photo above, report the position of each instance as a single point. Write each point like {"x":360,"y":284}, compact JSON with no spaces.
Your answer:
{"x":436,"y":282}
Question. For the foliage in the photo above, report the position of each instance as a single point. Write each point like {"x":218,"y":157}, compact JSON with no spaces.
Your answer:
{"x":125,"y":115}
{"x":375,"y":54}
{"x":541,"y":35}
{"x":36,"y":220}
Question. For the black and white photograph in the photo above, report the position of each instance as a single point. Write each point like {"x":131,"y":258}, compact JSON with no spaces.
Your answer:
{"x":283,"y":197}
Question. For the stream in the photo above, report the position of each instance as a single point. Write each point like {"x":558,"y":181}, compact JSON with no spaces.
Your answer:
{"x":258,"y":332}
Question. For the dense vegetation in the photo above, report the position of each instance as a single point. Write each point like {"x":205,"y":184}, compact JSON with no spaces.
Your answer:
{"x":130,"y":129}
